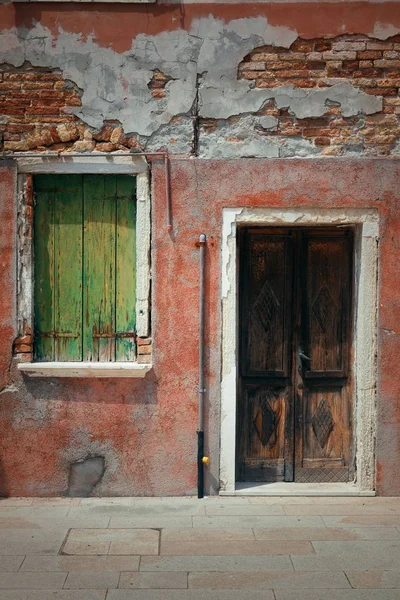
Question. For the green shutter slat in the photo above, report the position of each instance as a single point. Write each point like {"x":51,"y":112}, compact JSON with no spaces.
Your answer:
{"x":125,"y":298}
{"x":58,"y":267}
{"x":99,"y":268}
{"x":44,"y":270}
{"x":68,"y":269}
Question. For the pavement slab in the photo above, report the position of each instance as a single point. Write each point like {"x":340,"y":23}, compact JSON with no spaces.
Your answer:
{"x":216,"y":563}
{"x":53,"y":594}
{"x":209,"y":594}
{"x":158,"y":521}
{"x":275,"y":580}
{"x":10,"y":563}
{"x":239,"y":548}
{"x":337,"y":595}
{"x":175,"y":580}
{"x":200,"y":535}
{"x":31,"y":541}
{"x":91,"y":581}
{"x":257,"y":521}
{"x":112,"y":541}
{"x":89,"y":564}
{"x":219,"y":548}
{"x":374,"y":579}
{"x":31,"y":581}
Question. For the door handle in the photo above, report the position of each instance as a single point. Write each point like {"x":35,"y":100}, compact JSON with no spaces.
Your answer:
{"x":304,"y":356}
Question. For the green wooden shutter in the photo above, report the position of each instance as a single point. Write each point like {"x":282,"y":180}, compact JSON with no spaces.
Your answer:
{"x":58,"y":267}
{"x":85,"y":255}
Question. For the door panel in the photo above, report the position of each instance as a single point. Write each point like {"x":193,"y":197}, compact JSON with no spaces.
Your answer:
{"x":263,"y":439}
{"x":327,"y":305}
{"x":265,"y":363}
{"x":267,"y":281}
{"x":295,"y":389}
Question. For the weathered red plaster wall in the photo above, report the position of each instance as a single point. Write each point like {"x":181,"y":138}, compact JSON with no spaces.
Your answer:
{"x":146,"y":430}
{"x":7,"y":268}
{"x":115,"y":25}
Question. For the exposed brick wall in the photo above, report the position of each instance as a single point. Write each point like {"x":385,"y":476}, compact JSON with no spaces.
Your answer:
{"x":37,"y":105}
{"x":370,"y":65}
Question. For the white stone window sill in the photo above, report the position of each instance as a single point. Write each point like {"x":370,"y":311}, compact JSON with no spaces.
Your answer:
{"x":84,"y":369}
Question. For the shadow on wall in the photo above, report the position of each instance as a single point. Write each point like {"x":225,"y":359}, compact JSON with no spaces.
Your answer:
{"x":108,"y":391}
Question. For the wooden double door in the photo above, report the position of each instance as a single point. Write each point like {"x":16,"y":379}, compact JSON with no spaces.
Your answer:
{"x":294,"y":412}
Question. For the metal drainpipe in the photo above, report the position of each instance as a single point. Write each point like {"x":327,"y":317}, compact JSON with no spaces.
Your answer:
{"x":201,"y":459}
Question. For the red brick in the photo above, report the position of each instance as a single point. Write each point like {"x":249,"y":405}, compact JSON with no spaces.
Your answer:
{"x":302,"y":46}
{"x":144,"y":349}
{"x":369,"y":55}
{"x":387,"y":64}
{"x":10,"y":86}
{"x":322,"y":141}
{"x":22,"y":348}
{"x":382,"y":91}
{"x":322,"y":46}
{"x":38,"y":85}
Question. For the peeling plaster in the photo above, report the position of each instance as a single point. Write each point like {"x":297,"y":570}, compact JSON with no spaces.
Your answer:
{"x":115,"y":86}
{"x":383,"y":31}
{"x":229,"y":226}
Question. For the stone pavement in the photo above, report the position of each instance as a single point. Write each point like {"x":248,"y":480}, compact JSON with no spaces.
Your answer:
{"x":245,"y":548}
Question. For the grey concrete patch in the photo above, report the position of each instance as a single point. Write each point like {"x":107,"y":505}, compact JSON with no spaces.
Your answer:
{"x":84,"y":475}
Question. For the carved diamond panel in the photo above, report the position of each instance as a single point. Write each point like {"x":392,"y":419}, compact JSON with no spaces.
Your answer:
{"x":265,"y":422}
{"x":266,"y":306}
{"x":322,"y":423}
{"x":324,"y":307}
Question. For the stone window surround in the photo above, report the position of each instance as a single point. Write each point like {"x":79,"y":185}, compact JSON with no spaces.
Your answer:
{"x":100,"y":164}
{"x":365,"y":328}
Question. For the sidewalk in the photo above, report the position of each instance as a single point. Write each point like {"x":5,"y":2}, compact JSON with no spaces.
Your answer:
{"x":252,"y":548}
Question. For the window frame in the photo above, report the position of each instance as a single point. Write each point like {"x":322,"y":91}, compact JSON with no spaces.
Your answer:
{"x":102,"y":165}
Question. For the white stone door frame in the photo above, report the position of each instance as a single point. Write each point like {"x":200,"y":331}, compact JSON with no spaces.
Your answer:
{"x":366,"y":226}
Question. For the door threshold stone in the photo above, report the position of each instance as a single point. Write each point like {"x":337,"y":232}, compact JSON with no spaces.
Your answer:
{"x":296,"y":489}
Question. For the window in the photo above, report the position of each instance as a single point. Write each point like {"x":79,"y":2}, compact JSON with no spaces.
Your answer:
{"x":84,"y":268}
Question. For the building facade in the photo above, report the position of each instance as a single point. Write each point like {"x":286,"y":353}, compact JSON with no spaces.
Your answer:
{"x":126,"y":131}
